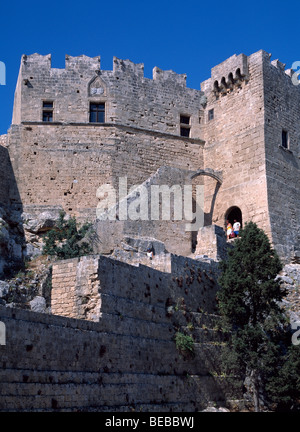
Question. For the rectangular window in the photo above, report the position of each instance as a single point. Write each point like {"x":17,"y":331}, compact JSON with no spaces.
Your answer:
{"x":285,"y":139}
{"x":184,"y":132}
{"x":184,"y":119}
{"x":211,"y":114}
{"x":185,"y":127}
{"x":97,"y":112}
{"x":47,"y":111}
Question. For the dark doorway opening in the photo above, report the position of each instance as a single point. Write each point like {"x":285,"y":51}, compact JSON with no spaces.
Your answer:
{"x":232,"y":214}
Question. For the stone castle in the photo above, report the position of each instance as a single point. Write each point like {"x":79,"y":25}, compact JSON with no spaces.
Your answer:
{"x":78,"y":128}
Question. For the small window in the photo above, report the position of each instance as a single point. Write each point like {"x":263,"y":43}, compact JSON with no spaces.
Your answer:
{"x":47,"y":111}
{"x":184,"y":119}
{"x":184,"y":132}
{"x":97,"y":112}
{"x":185,"y":126}
{"x":285,"y":139}
{"x":211,"y":114}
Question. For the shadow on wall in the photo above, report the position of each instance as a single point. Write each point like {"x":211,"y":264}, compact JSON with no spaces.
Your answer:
{"x":208,"y":216}
{"x":12,"y":238}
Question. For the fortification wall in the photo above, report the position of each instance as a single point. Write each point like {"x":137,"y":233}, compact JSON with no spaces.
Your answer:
{"x":126,"y":361}
{"x":65,"y":164}
{"x":235,"y":140}
{"x":282,"y":112}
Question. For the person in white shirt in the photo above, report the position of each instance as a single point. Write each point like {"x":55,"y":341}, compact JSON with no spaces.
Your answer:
{"x":236,"y":227}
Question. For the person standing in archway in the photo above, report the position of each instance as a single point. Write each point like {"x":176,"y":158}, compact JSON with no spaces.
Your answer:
{"x":236,"y":227}
{"x":229,"y":229}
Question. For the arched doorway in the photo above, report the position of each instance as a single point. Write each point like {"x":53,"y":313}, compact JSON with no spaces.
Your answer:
{"x":232,"y":214}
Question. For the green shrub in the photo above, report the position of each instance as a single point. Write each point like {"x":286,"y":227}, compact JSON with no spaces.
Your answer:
{"x":66,"y":240}
{"x":184,"y":343}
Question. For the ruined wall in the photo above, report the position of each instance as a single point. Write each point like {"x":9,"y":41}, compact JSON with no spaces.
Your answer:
{"x":75,"y":289}
{"x":126,"y":361}
{"x":211,"y":241}
{"x":158,"y":208}
{"x":91,"y":287}
{"x":282,"y":112}
{"x":235,"y":140}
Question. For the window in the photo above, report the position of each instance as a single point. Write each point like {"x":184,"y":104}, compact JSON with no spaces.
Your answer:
{"x":185,"y":126}
{"x":285,"y":139}
{"x":97,"y":112}
{"x":47,"y":111}
{"x":211,"y":114}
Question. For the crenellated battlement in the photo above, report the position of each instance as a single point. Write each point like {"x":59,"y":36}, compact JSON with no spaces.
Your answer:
{"x":129,"y":98}
{"x":127,"y":67}
{"x":160,"y":75}
{"x":37,"y":62}
{"x":229,"y":73}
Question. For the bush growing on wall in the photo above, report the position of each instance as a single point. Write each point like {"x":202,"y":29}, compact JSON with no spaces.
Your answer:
{"x":67,"y":239}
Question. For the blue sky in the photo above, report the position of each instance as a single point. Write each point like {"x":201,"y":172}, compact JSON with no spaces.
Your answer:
{"x":186,"y":36}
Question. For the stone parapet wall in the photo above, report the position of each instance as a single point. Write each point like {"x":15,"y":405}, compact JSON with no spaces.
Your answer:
{"x":129,"y":97}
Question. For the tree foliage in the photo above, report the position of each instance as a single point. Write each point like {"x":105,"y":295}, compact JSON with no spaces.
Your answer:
{"x":249,"y":302}
{"x":67,"y":239}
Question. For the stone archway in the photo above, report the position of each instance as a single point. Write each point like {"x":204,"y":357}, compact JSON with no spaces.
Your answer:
{"x":216,"y":175}
{"x":232,"y":214}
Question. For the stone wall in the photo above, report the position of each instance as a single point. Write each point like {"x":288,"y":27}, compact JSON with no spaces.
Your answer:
{"x":64,"y":165}
{"x":157,"y":208}
{"x":282,"y":111}
{"x":211,"y":241}
{"x":92,"y":286}
{"x":128,"y":359}
{"x":75,"y":289}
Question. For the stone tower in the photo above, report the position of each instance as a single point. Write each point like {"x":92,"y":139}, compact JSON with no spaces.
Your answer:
{"x":251,"y":128}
